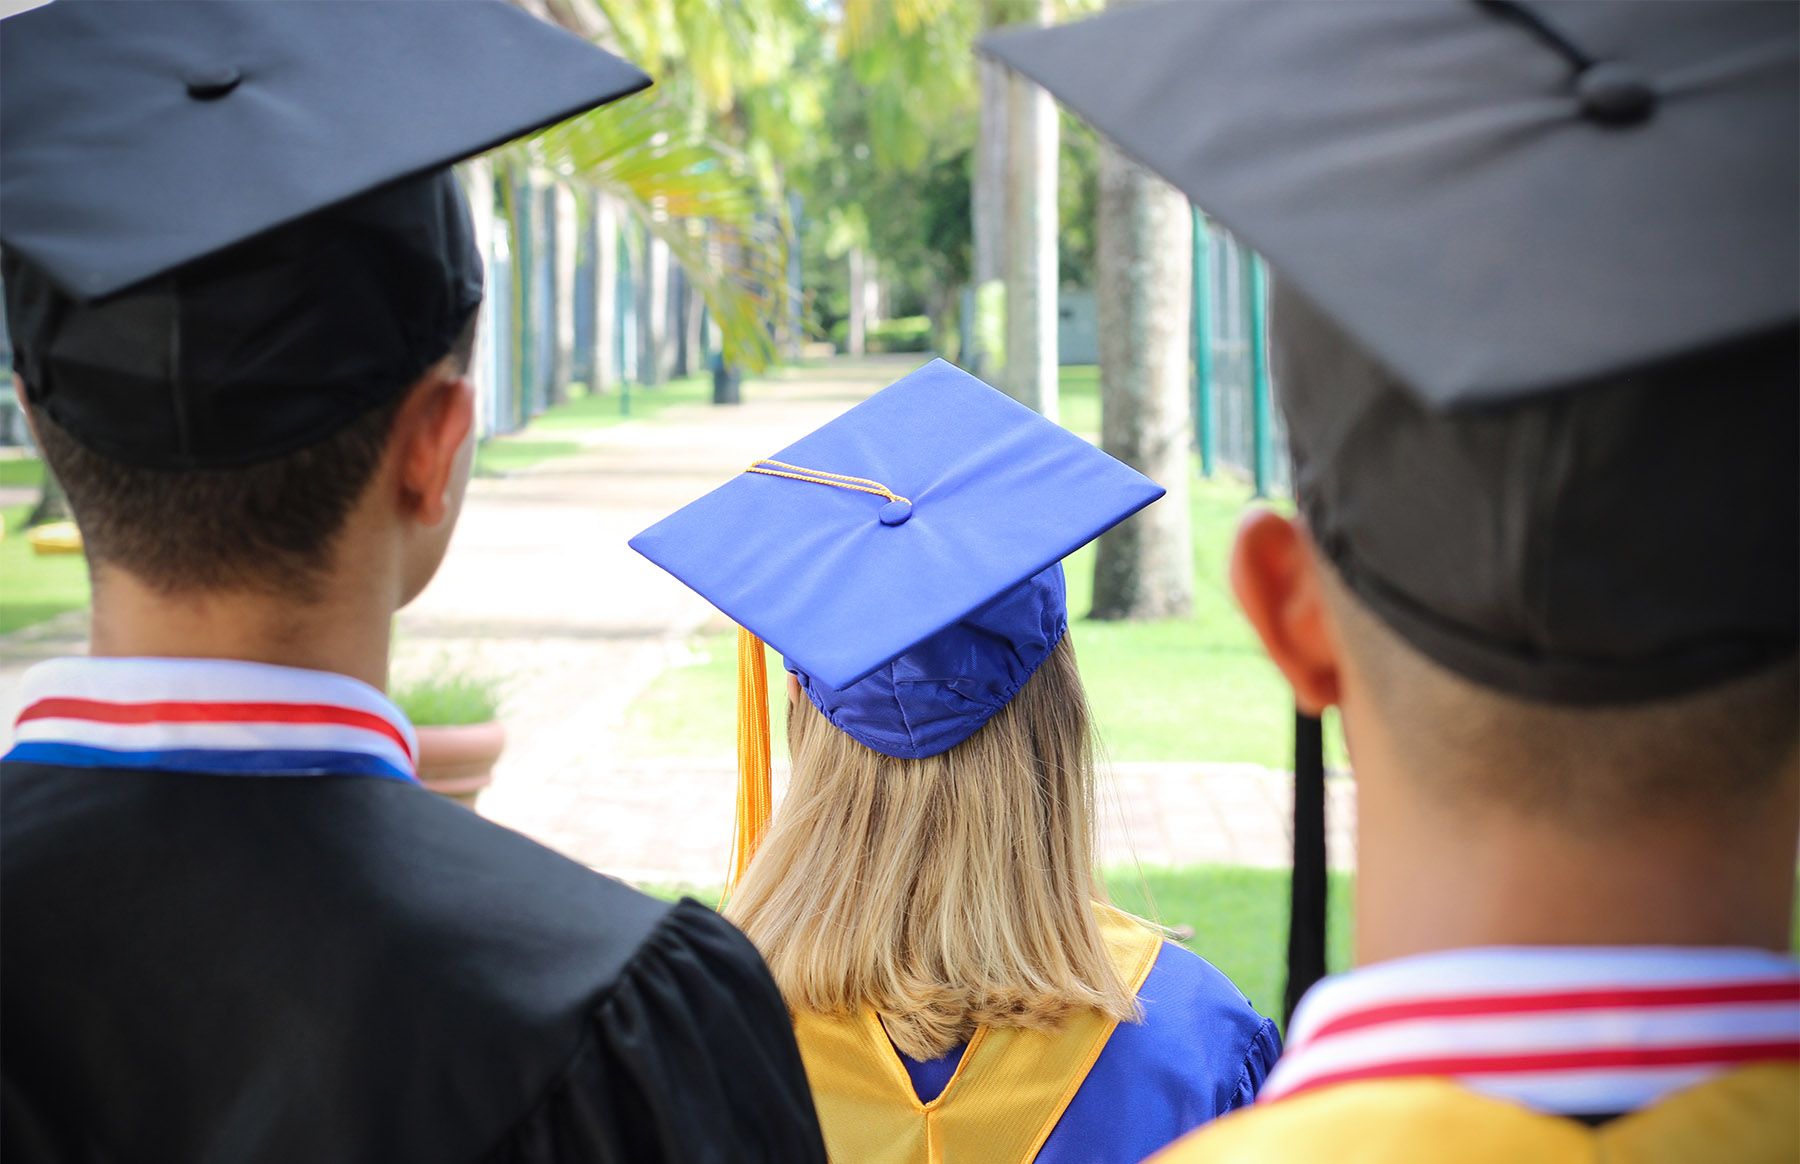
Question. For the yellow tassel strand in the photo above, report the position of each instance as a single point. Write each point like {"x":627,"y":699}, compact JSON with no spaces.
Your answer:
{"x":753,"y":799}
{"x":754,"y":794}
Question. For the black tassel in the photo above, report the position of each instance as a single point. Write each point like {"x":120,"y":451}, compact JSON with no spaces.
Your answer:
{"x":1306,"y":902}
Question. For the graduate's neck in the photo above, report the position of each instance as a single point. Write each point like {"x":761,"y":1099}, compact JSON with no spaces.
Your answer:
{"x":344,"y":628}
{"x":387,"y":549}
{"x":1435,"y":876}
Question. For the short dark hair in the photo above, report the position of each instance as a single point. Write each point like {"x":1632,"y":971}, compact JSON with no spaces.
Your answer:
{"x":267,"y":527}
{"x":1711,"y":753}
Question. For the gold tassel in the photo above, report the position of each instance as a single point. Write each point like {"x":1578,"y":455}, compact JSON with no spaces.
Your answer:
{"x":753,"y":798}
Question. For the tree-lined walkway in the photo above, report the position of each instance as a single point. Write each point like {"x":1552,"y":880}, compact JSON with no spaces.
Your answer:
{"x":541,"y":590}
{"x":540,"y":587}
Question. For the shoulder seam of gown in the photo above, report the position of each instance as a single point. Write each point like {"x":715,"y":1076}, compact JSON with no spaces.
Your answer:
{"x":596,"y":1002}
{"x":584,"y":1040}
{"x":1243,"y":1080}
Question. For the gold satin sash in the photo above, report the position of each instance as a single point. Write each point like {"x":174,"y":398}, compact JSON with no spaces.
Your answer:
{"x":1005,"y":1098}
{"x":1747,"y":1116}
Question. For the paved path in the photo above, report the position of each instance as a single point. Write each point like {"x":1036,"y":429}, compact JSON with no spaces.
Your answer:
{"x":540,"y":586}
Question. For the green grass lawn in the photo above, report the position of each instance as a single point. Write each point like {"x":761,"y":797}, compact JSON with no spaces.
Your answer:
{"x":499,"y":456}
{"x":690,"y":710}
{"x":34,"y":587}
{"x":558,"y":432}
{"x":1181,"y":689}
{"x":587,"y":411}
{"x":1078,"y":399}
{"x":27,"y":471}
{"x":1239,"y":918}
{"x":1196,"y":688}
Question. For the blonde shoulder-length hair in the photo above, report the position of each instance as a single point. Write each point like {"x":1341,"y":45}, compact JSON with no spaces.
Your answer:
{"x":946,"y":893}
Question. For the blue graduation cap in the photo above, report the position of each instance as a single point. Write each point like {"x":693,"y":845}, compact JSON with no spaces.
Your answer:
{"x":905,"y":559}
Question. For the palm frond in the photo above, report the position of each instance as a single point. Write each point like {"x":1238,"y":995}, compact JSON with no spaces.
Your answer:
{"x":699,"y":196}
{"x":718,"y":47}
{"x":867,"y":21}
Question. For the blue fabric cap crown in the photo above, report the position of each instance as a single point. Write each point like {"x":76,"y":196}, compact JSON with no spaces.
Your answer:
{"x":937,"y":694}
{"x":908,"y":622}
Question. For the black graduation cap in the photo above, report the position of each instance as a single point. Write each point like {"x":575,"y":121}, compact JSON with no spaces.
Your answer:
{"x":1538,"y":275}
{"x":1493,"y":199}
{"x":229,"y":227}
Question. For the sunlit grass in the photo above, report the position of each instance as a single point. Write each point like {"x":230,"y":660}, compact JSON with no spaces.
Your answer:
{"x":449,"y":700}
{"x":557,"y":432}
{"x":22,"y":471}
{"x":1078,"y":399}
{"x":33,"y":586}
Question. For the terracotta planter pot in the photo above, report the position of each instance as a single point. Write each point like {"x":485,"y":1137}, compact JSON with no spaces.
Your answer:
{"x":458,"y":760}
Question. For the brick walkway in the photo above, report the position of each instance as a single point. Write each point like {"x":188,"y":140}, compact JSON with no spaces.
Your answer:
{"x":540,"y":586}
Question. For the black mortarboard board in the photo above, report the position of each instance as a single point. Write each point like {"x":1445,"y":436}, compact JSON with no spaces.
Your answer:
{"x":1534,"y":321}
{"x":1494,"y":200}
{"x":229,"y":227}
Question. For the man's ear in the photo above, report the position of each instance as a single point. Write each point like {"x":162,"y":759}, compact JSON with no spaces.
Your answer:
{"x":430,"y":431}
{"x":1275,"y":574}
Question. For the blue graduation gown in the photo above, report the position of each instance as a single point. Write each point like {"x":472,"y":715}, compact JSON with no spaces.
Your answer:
{"x":1201,"y":1051}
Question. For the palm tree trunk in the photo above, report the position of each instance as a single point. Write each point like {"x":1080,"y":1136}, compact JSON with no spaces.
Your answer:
{"x":564,"y":243}
{"x":693,"y":317}
{"x":1144,"y":567}
{"x":52,"y":503}
{"x":653,"y":367}
{"x":873,"y":307}
{"x":987,"y":197}
{"x":796,"y":332}
{"x":855,"y":339}
{"x":478,"y":185}
{"x":942,"y":308}
{"x":514,"y":196}
{"x":606,"y":293}
{"x":1031,"y":240}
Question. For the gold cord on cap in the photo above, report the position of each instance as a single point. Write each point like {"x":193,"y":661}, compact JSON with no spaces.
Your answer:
{"x":819,"y":477}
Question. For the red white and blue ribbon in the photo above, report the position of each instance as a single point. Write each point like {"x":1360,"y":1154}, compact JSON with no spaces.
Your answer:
{"x":1568,"y":1031}
{"x":210,"y":715}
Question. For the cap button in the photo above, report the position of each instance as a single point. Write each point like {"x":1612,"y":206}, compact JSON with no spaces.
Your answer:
{"x":896,"y":512}
{"x":1614,"y":94}
{"x":209,"y":83}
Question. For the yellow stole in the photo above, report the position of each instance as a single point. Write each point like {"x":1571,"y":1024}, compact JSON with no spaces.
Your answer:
{"x":1750,"y":1115}
{"x":1005,"y":1098}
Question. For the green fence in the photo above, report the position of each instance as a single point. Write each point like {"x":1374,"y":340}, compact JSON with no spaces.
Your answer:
{"x":1237,"y":428}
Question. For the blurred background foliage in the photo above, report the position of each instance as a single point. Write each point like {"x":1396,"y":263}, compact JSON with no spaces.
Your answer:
{"x":867,"y":110}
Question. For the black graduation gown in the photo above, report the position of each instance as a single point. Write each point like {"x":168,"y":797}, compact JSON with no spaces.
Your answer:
{"x":325,"y":969}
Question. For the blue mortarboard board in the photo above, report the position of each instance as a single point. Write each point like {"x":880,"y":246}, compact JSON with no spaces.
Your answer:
{"x":909,"y":635}
{"x":229,"y":227}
